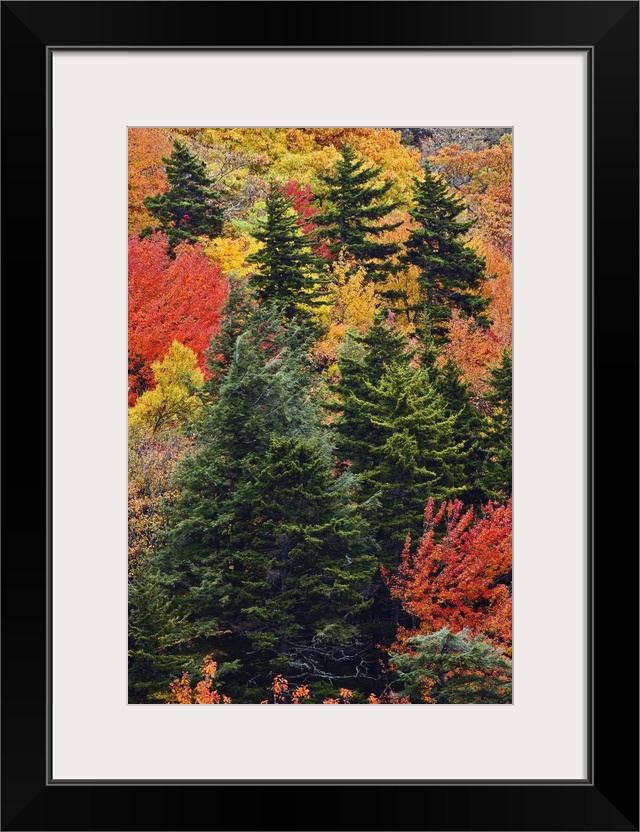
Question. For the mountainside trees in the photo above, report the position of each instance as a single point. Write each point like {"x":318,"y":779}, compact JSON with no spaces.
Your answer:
{"x":319,"y":419}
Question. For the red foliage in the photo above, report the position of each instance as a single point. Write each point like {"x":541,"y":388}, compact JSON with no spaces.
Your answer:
{"x":169,"y":300}
{"x":462,"y":580}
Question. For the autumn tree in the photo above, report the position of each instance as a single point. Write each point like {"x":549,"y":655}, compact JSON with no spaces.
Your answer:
{"x":174,"y":403}
{"x":497,"y":439}
{"x":287,"y":270}
{"x":453,"y":669}
{"x":459,"y":576}
{"x":190,"y":208}
{"x":348,"y":309}
{"x":451,"y":273}
{"x":353,"y":210}
{"x":152,"y":460}
{"x":147,"y":146}
{"x":268,"y":556}
{"x":169,"y":300}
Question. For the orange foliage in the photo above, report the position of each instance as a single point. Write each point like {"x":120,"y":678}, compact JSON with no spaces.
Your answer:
{"x":462,"y":581}
{"x":183,"y":694}
{"x":484,"y":179}
{"x":475,"y":349}
{"x":282,"y":695}
{"x":147,"y":146}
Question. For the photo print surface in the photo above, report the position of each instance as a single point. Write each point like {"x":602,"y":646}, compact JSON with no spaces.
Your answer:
{"x":319,"y":415}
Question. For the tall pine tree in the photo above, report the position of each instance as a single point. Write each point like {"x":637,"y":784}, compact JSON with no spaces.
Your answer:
{"x":190,"y":208}
{"x":268,"y":558}
{"x":353,"y":212}
{"x":288,"y":272}
{"x":451,"y":273}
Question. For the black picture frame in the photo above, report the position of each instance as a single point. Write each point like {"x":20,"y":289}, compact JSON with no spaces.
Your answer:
{"x":608,"y":798}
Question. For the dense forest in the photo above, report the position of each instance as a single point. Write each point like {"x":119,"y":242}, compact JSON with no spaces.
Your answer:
{"x":319,"y":403}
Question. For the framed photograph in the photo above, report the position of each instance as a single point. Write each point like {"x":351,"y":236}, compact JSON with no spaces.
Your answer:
{"x":111,"y":98}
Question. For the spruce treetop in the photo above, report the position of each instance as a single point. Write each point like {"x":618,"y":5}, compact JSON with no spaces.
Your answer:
{"x":190,"y":208}
{"x":352,"y":218}
{"x":451,"y":273}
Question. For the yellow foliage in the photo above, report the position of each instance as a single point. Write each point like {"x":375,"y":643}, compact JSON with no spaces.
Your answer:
{"x":351,"y":303}
{"x":174,"y":402}
{"x":231,"y":253}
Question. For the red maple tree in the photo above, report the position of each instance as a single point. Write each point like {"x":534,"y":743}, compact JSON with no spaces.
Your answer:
{"x":460,"y":579}
{"x":169,"y":300}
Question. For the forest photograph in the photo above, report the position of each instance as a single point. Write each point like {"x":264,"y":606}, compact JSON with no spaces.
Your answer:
{"x":319,"y":415}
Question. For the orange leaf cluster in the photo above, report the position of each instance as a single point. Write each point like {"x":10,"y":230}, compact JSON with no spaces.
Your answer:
{"x":282,"y":695}
{"x":462,"y":580}
{"x":183,"y":694}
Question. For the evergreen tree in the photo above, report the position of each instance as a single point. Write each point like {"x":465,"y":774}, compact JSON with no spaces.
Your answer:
{"x":413,"y":454}
{"x":154,"y":633}
{"x":451,"y":274}
{"x":237,"y":312}
{"x":288,"y":272}
{"x":189,"y":208}
{"x":363,"y":361}
{"x":353,"y":219}
{"x":497,"y":431}
{"x":394,"y":430}
{"x":454,"y":669}
{"x":268,"y":557}
{"x":457,"y":402}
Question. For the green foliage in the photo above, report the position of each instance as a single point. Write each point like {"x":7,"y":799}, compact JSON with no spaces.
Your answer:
{"x":190,"y":208}
{"x":268,"y":557}
{"x":154,"y":634}
{"x":353,"y":211}
{"x":468,"y":424}
{"x":497,"y":472}
{"x":236,"y":314}
{"x":454,"y":669}
{"x":288,"y":272}
{"x":451,"y":274}
{"x":397,"y":437}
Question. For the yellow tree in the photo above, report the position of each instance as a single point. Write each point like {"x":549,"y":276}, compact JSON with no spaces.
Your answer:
{"x":175,"y":401}
{"x":351,"y":303}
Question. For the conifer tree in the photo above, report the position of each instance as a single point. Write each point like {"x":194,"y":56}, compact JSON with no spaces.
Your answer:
{"x":394,"y":430}
{"x":363,"y":361}
{"x":497,"y":431}
{"x":268,"y":557}
{"x":454,"y":390}
{"x":451,"y":274}
{"x":452,"y":668}
{"x":413,"y":454}
{"x":154,"y":633}
{"x":288,"y":271}
{"x":190,"y":208}
{"x":353,"y":219}
{"x":237,"y":312}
